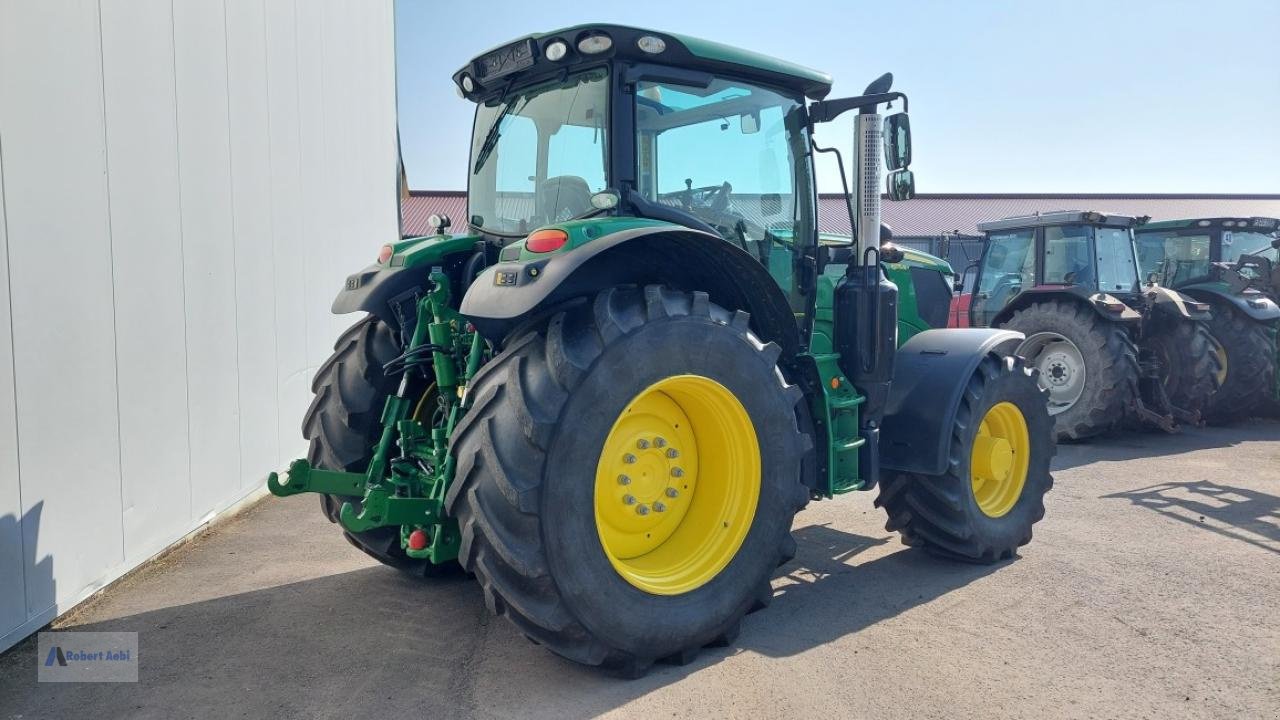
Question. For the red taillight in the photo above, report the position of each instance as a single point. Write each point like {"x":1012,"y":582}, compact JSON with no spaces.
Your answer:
{"x":384,"y":255}
{"x":546,"y":241}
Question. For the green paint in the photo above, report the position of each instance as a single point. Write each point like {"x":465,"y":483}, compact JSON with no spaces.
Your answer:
{"x":581,"y":232}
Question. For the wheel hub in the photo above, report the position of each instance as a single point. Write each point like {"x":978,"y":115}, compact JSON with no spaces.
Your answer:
{"x":1061,"y":366}
{"x":677,"y":484}
{"x":1000,"y":459}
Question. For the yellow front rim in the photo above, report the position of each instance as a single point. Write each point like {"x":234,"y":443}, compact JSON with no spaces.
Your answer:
{"x":998,"y":463}
{"x":1221,"y":352}
{"x":677,"y":484}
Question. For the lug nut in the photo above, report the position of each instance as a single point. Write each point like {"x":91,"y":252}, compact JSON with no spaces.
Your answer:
{"x":624,"y":480}
{"x":642,"y":444}
{"x":642,"y":509}
{"x":628,"y":458}
{"x":677,"y":472}
{"x":673,"y":453}
{"x":673,"y":493}
{"x":659,"y":442}
{"x":628,"y":499}
{"x":659,"y":507}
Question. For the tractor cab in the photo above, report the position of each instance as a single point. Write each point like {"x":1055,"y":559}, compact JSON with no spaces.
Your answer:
{"x":1242,"y":253}
{"x":1089,"y":254}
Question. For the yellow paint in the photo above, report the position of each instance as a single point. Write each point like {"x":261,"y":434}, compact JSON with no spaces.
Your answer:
{"x":999,"y":461}
{"x":677,"y":485}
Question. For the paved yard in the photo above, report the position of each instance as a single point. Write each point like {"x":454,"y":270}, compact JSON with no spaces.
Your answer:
{"x":1152,"y":590}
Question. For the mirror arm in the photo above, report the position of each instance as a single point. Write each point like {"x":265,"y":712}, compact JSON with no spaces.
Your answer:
{"x":828,"y":110}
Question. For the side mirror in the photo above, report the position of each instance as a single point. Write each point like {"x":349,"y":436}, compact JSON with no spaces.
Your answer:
{"x":897,"y":141}
{"x":901,"y":185}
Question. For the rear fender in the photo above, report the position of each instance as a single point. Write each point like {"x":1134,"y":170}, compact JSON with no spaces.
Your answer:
{"x":510,"y":294}
{"x":1070,"y":293}
{"x":1168,"y":302}
{"x":930,"y":373}
{"x":1255,"y":306}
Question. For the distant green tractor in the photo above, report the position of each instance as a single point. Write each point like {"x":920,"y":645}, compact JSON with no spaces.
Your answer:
{"x":1233,"y":264}
{"x":610,"y":393}
{"x":1110,"y":350}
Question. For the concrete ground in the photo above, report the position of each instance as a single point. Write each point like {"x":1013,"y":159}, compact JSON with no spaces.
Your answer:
{"x":1151,"y":590}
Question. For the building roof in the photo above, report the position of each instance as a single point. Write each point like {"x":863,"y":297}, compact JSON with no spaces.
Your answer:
{"x":937,"y":213}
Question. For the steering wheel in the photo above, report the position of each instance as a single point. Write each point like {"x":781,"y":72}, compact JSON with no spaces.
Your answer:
{"x":563,"y":197}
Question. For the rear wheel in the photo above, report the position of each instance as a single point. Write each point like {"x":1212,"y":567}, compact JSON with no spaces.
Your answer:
{"x":1190,"y":370}
{"x":1246,"y":351}
{"x":983,"y":509}
{"x":1089,"y":365}
{"x":627,"y":478}
{"x":343,"y":424}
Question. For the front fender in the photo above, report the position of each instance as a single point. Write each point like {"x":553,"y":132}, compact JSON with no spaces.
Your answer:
{"x":508,"y":294}
{"x":372,"y":289}
{"x":930,"y":373}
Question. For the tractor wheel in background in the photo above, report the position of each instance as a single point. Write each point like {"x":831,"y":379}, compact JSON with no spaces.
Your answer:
{"x":983,"y":509}
{"x":1247,"y":356}
{"x":1190,"y":369}
{"x":344,"y":422}
{"x":1088,"y":364}
{"x":627,"y":478}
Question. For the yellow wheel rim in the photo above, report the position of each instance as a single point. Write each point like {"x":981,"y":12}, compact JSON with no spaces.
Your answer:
{"x":998,"y":463}
{"x":677,"y":485}
{"x":1221,"y":352}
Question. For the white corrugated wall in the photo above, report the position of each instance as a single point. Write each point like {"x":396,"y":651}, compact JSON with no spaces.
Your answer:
{"x":184,"y":184}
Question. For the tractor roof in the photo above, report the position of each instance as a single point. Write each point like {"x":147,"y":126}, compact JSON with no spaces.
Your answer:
{"x":526,"y":59}
{"x":1061,"y":217}
{"x":1256,"y":224}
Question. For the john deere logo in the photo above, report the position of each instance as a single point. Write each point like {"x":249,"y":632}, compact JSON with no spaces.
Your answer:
{"x":55,"y":655}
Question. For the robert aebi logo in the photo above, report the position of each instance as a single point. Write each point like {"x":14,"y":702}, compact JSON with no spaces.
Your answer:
{"x":56,"y":655}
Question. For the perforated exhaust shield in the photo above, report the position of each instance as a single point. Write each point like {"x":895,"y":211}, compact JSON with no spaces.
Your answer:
{"x":868,"y":141}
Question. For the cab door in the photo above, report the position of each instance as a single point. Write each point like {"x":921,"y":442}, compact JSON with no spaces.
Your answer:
{"x":1008,"y":267}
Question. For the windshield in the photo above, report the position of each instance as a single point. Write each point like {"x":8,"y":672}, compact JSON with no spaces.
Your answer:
{"x":1175,"y":257}
{"x":1235,"y":244}
{"x":538,"y":155}
{"x":1117,"y":267}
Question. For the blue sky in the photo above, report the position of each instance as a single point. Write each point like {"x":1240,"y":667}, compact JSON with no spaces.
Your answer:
{"x":1080,"y":96}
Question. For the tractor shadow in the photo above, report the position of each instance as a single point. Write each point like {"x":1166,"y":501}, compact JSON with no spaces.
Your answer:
{"x":1147,"y":444}
{"x":374,"y":642}
{"x":1249,"y":516}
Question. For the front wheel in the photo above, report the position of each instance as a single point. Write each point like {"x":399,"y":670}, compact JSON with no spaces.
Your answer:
{"x":983,"y":509}
{"x":627,"y":477}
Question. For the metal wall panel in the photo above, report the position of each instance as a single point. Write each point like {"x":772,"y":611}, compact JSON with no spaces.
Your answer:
{"x":13,"y":599}
{"x":288,"y":241}
{"x":64,"y":354}
{"x":146,"y":231}
{"x":184,"y":186}
{"x":252,"y":228}
{"x":204,"y":145}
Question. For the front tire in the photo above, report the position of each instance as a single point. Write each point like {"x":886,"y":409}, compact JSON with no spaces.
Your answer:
{"x":1089,"y":365}
{"x":547,"y":521}
{"x":983,"y":509}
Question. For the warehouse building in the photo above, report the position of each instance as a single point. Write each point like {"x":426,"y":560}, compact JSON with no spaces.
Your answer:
{"x":183,"y":188}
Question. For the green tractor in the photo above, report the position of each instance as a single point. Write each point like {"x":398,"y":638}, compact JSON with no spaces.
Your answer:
{"x":1110,"y":350}
{"x":1233,"y":265}
{"x":608,"y":396}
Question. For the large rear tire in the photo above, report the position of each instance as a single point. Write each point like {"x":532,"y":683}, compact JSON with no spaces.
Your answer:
{"x":1247,"y":353}
{"x":983,"y":509}
{"x":567,"y":419}
{"x":1089,"y":365}
{"x":343,"y":424}
{"x":1189,"y":368}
